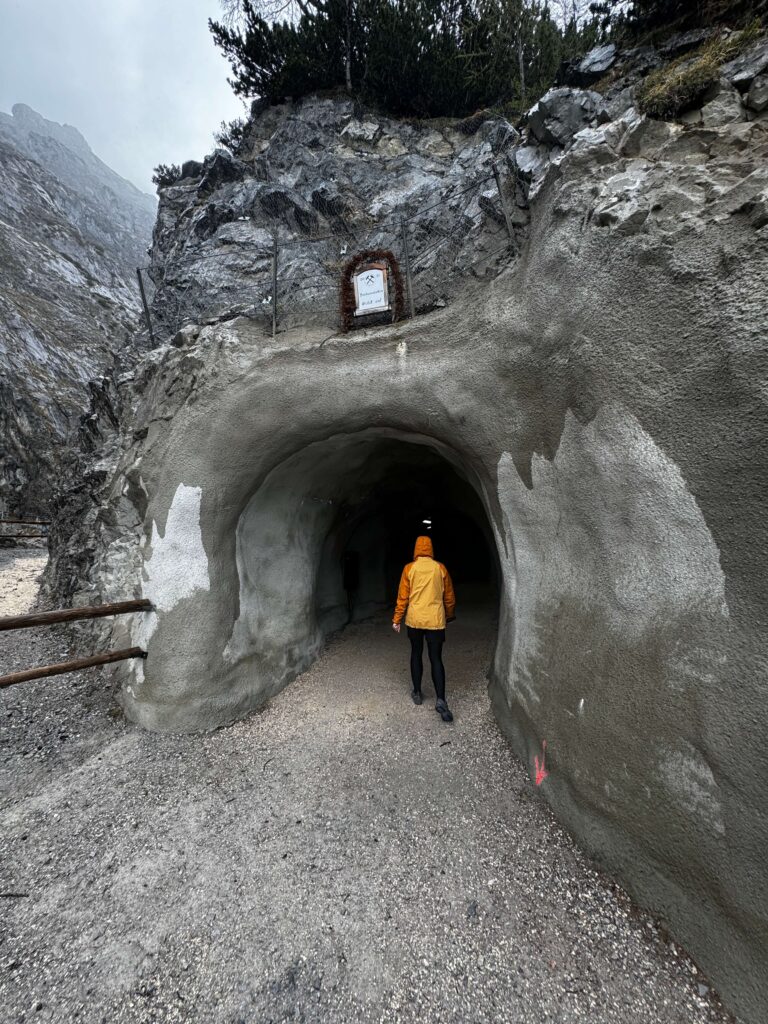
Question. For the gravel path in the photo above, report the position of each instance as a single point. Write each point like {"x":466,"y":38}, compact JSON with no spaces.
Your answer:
{"x":340,"y":856}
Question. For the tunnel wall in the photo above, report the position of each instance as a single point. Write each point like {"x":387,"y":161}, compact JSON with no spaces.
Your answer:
{"x":606,"y":400}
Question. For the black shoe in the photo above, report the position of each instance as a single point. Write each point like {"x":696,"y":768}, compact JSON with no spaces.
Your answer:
{"x":416,"y":696}
{"x":444,"y":711}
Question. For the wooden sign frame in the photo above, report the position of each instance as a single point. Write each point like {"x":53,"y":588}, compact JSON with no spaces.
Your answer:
{"x":380,"y":259}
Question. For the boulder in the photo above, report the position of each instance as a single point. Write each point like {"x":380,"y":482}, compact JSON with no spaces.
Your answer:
{"x":627,"y":217}
{"x":529,"y":162}
{"x":641,"y":59}
{"x":562,"y":112}
{"x":619,"y":102}
{"x":722,"y":106}
{"x":757,"y":97}
{"x":500,"y":134}
{"x":434,"y":144}
{"x":364,"y":133}
{"x":594,"y":65}
{"x":742,"y":71}
{"x":645,"y":136}
{"x":221,"y":167}
{"x":186,"y":336}
{"x":683,"y":42}
{"x":329,"y":200}
{"x":289,"y":207}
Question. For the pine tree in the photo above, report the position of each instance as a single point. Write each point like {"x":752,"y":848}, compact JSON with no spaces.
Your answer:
{"x":411,"y":57}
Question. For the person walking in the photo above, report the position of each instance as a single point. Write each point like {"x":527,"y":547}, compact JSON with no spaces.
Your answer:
{"x":426,"y":591}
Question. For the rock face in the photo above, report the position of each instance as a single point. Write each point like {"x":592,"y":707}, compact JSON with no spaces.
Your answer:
{"x":111,"y":211}
{"x":71,"y":235}
{"x":326,"y":183}
{"x":601,"y":388}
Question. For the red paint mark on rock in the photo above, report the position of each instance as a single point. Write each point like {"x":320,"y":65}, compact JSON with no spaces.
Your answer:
{"x":541,"y":771}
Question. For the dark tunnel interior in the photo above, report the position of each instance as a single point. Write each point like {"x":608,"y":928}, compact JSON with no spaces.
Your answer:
{"x":402,"y":490}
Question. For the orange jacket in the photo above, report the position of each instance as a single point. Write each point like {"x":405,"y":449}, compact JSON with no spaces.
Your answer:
{"x":425,"y":590}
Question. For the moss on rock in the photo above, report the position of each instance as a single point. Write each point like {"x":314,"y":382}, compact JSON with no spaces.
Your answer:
{"x":678,"y":86}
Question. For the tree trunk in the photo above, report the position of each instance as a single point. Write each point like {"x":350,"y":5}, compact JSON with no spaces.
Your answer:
{"x":348,"y":48}
{"x":521,"y":63}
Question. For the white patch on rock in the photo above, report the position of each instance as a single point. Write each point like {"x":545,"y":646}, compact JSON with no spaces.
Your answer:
{"x":178,"y":565}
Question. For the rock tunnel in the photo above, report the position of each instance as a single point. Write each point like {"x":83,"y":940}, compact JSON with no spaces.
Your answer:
{"x":259,"y":472}
{"x":323,"y":539}
{"x":314,"y":542}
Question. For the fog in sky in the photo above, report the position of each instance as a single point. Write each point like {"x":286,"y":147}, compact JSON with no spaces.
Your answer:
{"x":141,"y":79}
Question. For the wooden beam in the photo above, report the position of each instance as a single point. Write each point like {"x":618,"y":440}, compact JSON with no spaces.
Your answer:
{"x":73,"y":614}
{"x":71,"y":666}
{"x":27,"y":522}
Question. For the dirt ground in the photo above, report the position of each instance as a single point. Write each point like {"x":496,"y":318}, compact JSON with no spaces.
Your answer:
{"x":341,"y":855}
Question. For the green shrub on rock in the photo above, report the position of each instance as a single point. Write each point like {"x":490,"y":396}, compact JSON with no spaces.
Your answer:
{"x":423,"y":58}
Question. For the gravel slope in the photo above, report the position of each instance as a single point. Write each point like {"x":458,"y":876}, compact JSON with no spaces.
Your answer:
{"x":340,"y":856}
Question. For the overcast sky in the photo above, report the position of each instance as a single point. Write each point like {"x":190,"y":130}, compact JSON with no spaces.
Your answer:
{"x":141,"y":79}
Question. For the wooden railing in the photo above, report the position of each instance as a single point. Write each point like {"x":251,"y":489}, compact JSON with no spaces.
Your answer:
{"x":72,"y":615}
{"x":40,"y":535}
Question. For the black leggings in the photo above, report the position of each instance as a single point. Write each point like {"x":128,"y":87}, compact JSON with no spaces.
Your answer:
{"x":435,"y":640}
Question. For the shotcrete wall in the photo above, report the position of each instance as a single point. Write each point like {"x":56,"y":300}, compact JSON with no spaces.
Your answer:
{"x":605,"y":401}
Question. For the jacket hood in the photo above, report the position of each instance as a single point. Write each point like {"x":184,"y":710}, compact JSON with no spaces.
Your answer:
{"x":423,"y":547}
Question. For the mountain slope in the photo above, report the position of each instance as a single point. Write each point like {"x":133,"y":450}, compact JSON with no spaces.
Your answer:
{"x":71,"y":234}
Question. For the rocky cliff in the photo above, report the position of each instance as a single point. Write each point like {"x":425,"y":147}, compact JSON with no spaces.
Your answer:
{"x":72,"y":233}
{"x":588,"y":353}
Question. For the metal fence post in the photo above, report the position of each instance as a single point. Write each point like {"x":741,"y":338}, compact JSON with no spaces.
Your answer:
{"x":146,"y":307}
{"x":274,"y":285}
{"x":504,"y":201}
{"x":407,"y":261}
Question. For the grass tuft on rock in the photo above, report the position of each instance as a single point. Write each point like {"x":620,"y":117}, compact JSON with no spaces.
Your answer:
{"x":678,"y":86}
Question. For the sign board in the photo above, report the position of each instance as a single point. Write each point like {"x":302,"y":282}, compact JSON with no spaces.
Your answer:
{"x":371,"y":289}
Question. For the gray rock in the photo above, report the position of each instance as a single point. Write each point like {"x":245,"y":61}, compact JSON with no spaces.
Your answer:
{"x":72,"y":233}
{"x":595,"y":64}
{"x":329,"y":200}
{"x":304,"y":178}
{"x":221,"y":167}
{"x":741,"y":71}
{"x":641,"y":59}
{"x":531,"y":161}
{"x":690,"y":117}
{"x":562,"y":112}
{"x":119,"y":215}
{"x":757,"y":98}
{"x":618,"y":102}
{"x":645,"y":136}
{"x":625,"y":217}
{"x":362,"y":132}
{"x":186,"y":336}
{"x":602,"y":394}
{"x":683,"y":42}
{"x":722,"y":105}
{"x":500,"y":135}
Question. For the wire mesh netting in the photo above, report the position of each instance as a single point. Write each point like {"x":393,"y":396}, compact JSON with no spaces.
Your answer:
{"x":281,"y":263}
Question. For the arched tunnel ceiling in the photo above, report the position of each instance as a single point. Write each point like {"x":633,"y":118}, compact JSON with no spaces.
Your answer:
{"x":293,"y":532}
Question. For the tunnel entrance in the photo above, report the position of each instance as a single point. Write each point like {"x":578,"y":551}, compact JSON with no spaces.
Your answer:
{"x":325,"y":536}
{"x":418,"y":492}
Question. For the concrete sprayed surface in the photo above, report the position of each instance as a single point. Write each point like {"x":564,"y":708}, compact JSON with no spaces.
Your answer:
{"x":340,"y":856}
